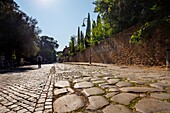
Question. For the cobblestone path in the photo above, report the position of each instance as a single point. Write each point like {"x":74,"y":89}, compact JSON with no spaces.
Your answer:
{"x":110,"y":89}
{"x":27,"y":92}
{"x":67,"y":88}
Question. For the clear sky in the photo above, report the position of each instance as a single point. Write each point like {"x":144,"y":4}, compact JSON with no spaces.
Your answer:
{"x":58,"y":18}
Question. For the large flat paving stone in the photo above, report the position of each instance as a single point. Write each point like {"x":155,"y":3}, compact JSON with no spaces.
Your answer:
{"x":110,"y":94}
{"x":60,"y":91}
{"x":113,"y":90}
{"x":150,"y":105}
{"x":61,"y":84}
{"x":67,"y":103}
{"x":160,"y":95}
{"x":116,"y":109}
{"x":113,"y":81}
{"x":83,"y":85}
{"x":96,"y":102}
{"x":123,"y":84}
{"x":140,"y":89}
{"x":93,"y":91}
{"x":160,"y":85}
{"x":124,"y":98}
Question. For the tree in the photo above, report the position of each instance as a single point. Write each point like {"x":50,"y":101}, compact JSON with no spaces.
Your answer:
{"x":82,"y":44}
{"x":121,"y":14}
{"x":72,"y":45}
{"x":78,"y":39}
{"x":18,"y":32}
{"x":88,"y":32}
{"x":47,"y":48}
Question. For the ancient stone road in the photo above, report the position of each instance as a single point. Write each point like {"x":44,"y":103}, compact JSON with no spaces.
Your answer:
{"x":64,"y":88}
{"x":26,"y":92}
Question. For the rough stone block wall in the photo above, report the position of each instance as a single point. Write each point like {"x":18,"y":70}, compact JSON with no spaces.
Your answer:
{"x":118,"y":50}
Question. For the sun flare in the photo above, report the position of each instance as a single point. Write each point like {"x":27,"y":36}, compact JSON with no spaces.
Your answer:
{"x":46,"y":3}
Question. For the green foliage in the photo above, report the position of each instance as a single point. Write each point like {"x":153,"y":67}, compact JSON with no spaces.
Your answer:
{"x":118,"y":15}
{"x":82,"y":44}
{"x":72,"y":45}
{"x":47,"y":48}
{"x":88,"y":31}
{"x":79,"y":40}
{"x":18,"y":32}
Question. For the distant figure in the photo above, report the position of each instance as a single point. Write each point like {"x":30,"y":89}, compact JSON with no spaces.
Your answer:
{"x":39,"y":61}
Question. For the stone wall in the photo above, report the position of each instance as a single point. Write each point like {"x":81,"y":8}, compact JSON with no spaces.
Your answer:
{"x":118,"y":50}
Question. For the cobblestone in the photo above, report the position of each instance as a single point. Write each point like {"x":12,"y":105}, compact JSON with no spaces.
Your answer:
{"x":108,"y":89}
{"x":20,"y":92}
{"x":97,"y":88}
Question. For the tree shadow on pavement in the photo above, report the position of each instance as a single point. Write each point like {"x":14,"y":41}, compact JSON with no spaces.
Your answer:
{"x":16,"y":70}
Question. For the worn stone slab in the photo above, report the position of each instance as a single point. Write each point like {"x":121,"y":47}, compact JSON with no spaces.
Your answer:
{"x":93,"y":91}
{"x":160,"y":95}
{"x":140,"y":89}
{"x":124,"y":98}
{"x":149,"y":105}
{"x":160,"y":85}
{"x":140,"y":82}
{"x":106,"y":85}
{"x":70,"y":90}
{"x":62,"y":84}
{"x":86,"y":78}
{"x":113,"y":89}
{"x":113,"y":81}
{"x":96,"y":102}
{"x":116,"y":109}
{"x":78,"y":80}
{"x":110,"y":94}
{"x":98,"y":81}
{"x":67,"y":103}
{"x":60,"y":91}
{"x":123,"y":84}
{"x":83,"y":85}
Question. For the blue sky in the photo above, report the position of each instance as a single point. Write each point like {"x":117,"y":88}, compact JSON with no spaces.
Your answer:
{"x":58,"y":18}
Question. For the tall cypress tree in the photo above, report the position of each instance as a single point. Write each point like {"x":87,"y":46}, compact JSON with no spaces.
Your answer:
{"x":88,"y":32}
{"x":79,"y":39}
{"x":82,"y":41}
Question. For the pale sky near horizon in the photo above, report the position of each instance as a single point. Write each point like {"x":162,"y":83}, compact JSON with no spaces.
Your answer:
{"x":59,"y":19}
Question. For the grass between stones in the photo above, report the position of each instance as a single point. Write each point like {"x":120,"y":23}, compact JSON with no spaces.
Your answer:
{"x":133,"y":102}
{"x":168,"y":100}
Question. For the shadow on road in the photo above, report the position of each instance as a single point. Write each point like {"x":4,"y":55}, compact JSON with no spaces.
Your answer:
{"x":16,"y":70}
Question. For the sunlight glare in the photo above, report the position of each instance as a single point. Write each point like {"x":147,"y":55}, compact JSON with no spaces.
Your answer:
{"x":46,"y":3}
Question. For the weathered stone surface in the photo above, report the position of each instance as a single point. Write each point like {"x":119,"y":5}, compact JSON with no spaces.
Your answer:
{"x":61,"y":84}
{"x":96,"y":79}
{"x":123,"y":84}
{"x":99,"y":81}
{"x":110,"y":94}
{"x":78,"y":80}
{"x":140,"y":89}
{"x":124,"y":98}
{"x":140,"y":82}
{"x":149,"y":105}
{"x":116,"y":109}
{"x":96,"y":102}
{"x":86,"y":78}
{"x":113,"y":89}
{"x":93,"y":91}
{"x":83,"y":85}
{"x":160,"y":85}
{"x":67,"y":103}
{"x":161,"y":95}
{"x":113,"y":81}
{"x":70,"y":90}
{"x":60,"y":91}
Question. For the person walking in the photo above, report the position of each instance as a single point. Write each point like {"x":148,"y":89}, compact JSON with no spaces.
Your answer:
{"x":39,"y":61}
